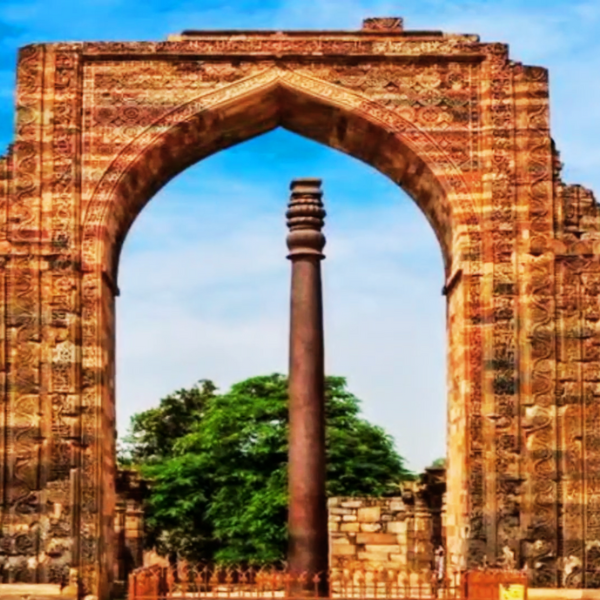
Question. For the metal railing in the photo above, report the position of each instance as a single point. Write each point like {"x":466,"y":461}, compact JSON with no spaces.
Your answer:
{"x":196,"y":581}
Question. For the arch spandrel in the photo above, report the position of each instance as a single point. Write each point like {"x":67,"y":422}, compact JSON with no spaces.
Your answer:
{"x":263,"y":101}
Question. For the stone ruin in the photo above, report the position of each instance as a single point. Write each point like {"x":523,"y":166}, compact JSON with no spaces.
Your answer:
{"x":399,"y":532}
{"x":459,"y":124}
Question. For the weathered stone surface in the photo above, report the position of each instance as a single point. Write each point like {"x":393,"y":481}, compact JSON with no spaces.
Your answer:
{"x":39,"y":591}
{"x":398,"y":527}
{"x":340,"y":511}
{"x":378,"y":545}
{"x":373,"y":558}
{"x":131,"y":490}
{"x":371,"y":527}
{"x":369,"y":514}
{"x":410,"y":539}
{"x":457,"y":123}
{"x":344,"y":549}
{"x":351,"y":504}
{"x":376,"y":538}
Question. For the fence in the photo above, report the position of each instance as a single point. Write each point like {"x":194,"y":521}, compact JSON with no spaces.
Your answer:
{"x":188,"y":581}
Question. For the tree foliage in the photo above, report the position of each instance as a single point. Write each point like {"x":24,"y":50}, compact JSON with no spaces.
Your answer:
{"x":153,"y":432}
{"x":218,"y":466}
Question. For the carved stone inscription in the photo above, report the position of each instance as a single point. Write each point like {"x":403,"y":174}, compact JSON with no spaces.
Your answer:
{"x":456,"y":123}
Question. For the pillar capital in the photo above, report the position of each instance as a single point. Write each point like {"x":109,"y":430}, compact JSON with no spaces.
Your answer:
{"x":305,"y":219}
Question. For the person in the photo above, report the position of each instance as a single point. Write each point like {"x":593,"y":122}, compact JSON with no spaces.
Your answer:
{"x":439,"y":569}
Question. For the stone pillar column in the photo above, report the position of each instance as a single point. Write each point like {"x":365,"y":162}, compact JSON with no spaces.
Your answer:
{"x":423,"y":534}
{"x":308,"y":543}
{"x":134,"y":533}
{"x":120,"y":539}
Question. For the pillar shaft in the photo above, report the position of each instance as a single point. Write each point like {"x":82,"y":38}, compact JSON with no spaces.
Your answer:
{"x":308,"y":536}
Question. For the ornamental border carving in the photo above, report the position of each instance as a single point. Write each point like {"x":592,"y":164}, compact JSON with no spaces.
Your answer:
{"x":464,"y":129}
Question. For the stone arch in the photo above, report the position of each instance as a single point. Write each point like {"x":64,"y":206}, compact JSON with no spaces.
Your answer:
{"x":314,"y":108}
{"x":458,"y":124}
{"x":322,"y":111}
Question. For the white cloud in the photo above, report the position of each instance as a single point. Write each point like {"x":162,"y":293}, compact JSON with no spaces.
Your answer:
{"x":213,"y":300}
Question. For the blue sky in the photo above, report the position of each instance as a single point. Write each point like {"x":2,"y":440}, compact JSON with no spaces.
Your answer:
{"x":204,"y":280}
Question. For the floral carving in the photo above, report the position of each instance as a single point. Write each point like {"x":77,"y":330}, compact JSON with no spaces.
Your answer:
{"x":456,"y":123}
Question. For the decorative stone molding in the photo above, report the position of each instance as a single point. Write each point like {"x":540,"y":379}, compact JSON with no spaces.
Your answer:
{"x":455,"y":122}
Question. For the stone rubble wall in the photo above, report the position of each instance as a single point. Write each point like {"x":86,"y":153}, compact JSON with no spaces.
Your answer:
{"x":377,"y":532}
{"x":128,"y":532}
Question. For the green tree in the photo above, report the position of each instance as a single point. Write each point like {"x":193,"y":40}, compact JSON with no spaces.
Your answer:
{"x":153,"y":432}
{"x":220,"y":492}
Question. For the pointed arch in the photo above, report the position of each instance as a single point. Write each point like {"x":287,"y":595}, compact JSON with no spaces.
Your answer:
{"x":276,"y":97}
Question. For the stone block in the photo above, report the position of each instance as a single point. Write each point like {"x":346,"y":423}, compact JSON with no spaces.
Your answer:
{"x":343,"y":550}
{"x":387,"y":548}
{"x":353,"y":527}
{"x":352,"y":503}
{"x":377,"y":538}
{"x":398,"y":558}
{"x":373,"y":557}
{"x":369,"y":514}
{"x":340,"y":511}
{"x":349,"y":518}
{"x":370,"y":527}
{"x":397,"y":527}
